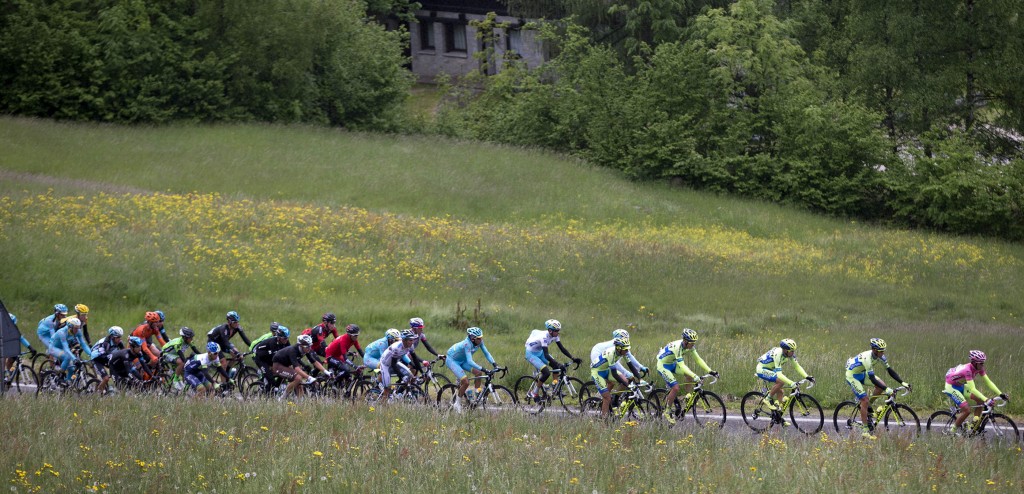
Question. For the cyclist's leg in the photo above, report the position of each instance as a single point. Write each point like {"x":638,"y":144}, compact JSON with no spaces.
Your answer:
{"x":856,"y":383}
{"x":668,"y":374}
{"x":774,"y":385}
{"x":541,"y":365}
{"x":956,"y":393}
{"x":385,"y":381}
{"x":601,"y":382}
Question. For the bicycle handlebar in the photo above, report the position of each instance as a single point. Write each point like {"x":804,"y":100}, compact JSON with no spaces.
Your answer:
{"x":705,"y":376}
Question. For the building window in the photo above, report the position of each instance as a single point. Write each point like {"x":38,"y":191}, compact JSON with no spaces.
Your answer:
{"x":455,"y":37}
{"x":514,"y":40}
{"x":426,"y":34}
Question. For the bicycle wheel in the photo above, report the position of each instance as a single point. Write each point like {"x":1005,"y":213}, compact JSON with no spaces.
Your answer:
{"x":372,"y":395}
{"x":569,"y":395}
{"x":941,"y":422}
{"x":709,"y":410}
{"x":902,"y":420}
{"x":499,"y":398}
{"x":25,"y":381}
{"x":433,"y":386}
{"x":446,"y":396}
{"x":1000,"y":430}
{"x":755,"y":415}
{"x":806,"y":414}
{"x":536,"y":403}
{"x":50,"y":382}
{"x":642,"y":410}
{"x":523,"y":385}
{"x":847,"y":417}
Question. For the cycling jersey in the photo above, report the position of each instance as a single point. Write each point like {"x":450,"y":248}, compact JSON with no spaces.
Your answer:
{"x":103,"y":348}
{"x":371,"y":358}
{"x":222,"y":335}
{"x":263,"y":351}
{"x":319,"y":334}
{"x":291,"y":356}
{"x":47,"y":326}
{"x":174,"y":349}
{"x":120,"y":363}
{"x":462,"y":353}
{"x":195,"y":374}
{"x":391,"y":360}
{"x":670,"y":362}
{"x":60,"y":345}
{"x":601,"y":366}
{"x":539,"y":340}
{"x":262,"y":338}
{"x":145,"y":331}
{"x":961,"y":378}
{"x":863,"y":364}
{"x":769,"y":366}
{"x":338,"y":349}
{"x":426,"y":344}
{"x":599,"y":348}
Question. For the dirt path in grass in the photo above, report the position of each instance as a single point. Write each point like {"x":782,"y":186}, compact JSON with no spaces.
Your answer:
{"x":70,"y":183}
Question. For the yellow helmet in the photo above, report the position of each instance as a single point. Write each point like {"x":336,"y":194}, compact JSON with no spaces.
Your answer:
{"x":82,"y":309}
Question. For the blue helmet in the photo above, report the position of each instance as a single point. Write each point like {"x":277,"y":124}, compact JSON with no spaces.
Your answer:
{"x":282,"y":331}
{"x":63,"y":309}
{"x":415,"y":323}
{"x":233,"y":316}
{"x":475,"y":332}
{"x":14,"y":318}
{"x":135,"y":341}
{"x":161,"y":314}
{"x":213,"y":347}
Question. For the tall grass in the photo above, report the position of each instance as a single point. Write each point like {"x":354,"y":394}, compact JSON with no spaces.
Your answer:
{"x":284,"y":223}
{"x":169,"y":445}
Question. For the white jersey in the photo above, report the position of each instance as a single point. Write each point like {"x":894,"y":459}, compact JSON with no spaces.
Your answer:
{"x":539,"y":340}
{"x":205,"y":360}
{"x":595,"y":353}
{"x":395,"y":352}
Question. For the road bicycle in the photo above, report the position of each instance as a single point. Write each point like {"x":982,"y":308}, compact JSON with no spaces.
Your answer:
{"x":894,"y":417}
{"x":992,"y":426}
{"x":491,"y":396}
{"x":405,"y":390}
{"x":21,"y":377}
{"x":631,"y":404}
{"x":564,"y":389}
{"x":54,"y":382}
{"x":433,"y":381}
{"x":804,"y":411}
{"x":707,"y":408}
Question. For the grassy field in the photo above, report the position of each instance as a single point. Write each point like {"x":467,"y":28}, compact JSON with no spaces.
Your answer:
{"x":284,"y":223}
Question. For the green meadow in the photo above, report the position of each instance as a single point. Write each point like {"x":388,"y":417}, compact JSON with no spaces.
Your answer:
{"x":285,"y":223}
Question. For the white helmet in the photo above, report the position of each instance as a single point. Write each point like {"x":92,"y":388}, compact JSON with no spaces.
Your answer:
{"x":115,"y":331}
{"x":74,"y":322}
{"x":305,"y":340}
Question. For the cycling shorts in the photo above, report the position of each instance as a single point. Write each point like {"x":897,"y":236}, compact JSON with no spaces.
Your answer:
{"x":536,"y":359}
{"x":101,"y":367}
{"x":397,"y":368}
{"x":856,"y":382}
{"x":668,"y":373}
{"x":46,"y":337}
{"x":623,"y":371}
{"x":459,"y":368}
{"x":283,"y":371}
{"x":196,"y":377}
{"x":768,"y":375}
{"x":601,"y":379}
{"x":956,"y":393}
{"x":371,"y":363}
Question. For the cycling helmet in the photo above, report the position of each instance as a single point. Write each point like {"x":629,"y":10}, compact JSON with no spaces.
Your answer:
{"x":115,"y":331}
{"x":689,"y":334}
{"x":186,"y":332}
{"x":63,"y":309}
{"x":620,"y":333}
{"x":788,"y":344}
{"x":233,"y":316}
{"x":213,"y":347}
{"x":415,"y":323}
{"x":135,"y":341}
{"x":553,"y":325}
{"x":305,"y":340}
{"x":329,"y":317}
{"x":978,"y":356}
{"x":407,"y":334}
{"x":14,"y":318}
{"x":622,"y":342}
{"x":393,"y":335}
{"x":152,"y":317}
{"x":160,"y":314}
{"x":475,"y":332}
{"x":73,"y":322}
{"x":82,"y":309}
{"x":877,"y":344}
{"x":282,"y":331}
{"x":352,"y":329}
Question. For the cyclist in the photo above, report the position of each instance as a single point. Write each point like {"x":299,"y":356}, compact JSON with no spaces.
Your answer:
{"x":460,"y":360}
{"x":622,"y":375}
{"x":51,"y":323}
{"x":859,"y":368}
{"x":195,"y":369}
{"x":153,"y":326}
{"x":288,"y":364}
{"x":671,"y":366}
{"x":337,"y":351}
{"x":10,"y":360}
{"x":121,"y":361}
{"x":960,"y":379}
{"x":221,"y":335}
{"x":60,"y":345}
{"x":602,"y":367}
{"x":173,"y":352}
{"x":263,"y":350}
{"x":391,"y":362}
{"x":537,"y":351}
{"x":101,"y":354}
{"x":416,"y":325}
{"x":320,"y":331}
{"x":769,"y":369}
{"x":82,"y":313}
{"x":371,"y":359}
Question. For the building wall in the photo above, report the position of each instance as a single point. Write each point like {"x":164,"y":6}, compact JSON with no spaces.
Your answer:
{"x":430,"y":61}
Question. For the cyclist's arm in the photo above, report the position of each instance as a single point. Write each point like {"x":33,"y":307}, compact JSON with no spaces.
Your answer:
{"x":161,"y":336}
{"x":425,"y":345}
{"x":26,"y":344}
{"x":85,"y":332}
{"x":86,"y":348}
{"x":877,"y":382}
{"x":547,"y":356}
{"x":487,"y":354}
{"x":635,"y":369}
{"x":973,"y":390}
{"x":563,"y":350}
{"x":991,"y":385}
{"x":415,"y":362}
{"x":244,"y":337}
{"x":315,"y":360}
{"x":360,"y":350}
{"x":895,"y":376}
{"x":799,"y":369}
{"x":634,"y":363}
{"x":700,"y":362}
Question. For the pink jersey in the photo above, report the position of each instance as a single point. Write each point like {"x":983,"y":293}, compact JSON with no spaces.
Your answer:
{"x":962,"y":373}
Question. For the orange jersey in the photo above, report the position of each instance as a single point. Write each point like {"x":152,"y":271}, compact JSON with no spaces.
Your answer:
{"x":145,"y":331}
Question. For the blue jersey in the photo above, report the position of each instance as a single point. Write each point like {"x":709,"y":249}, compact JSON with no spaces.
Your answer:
{"x":61,"y":342}
{"x":462,"y":353}
{"x":47,"y":326}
